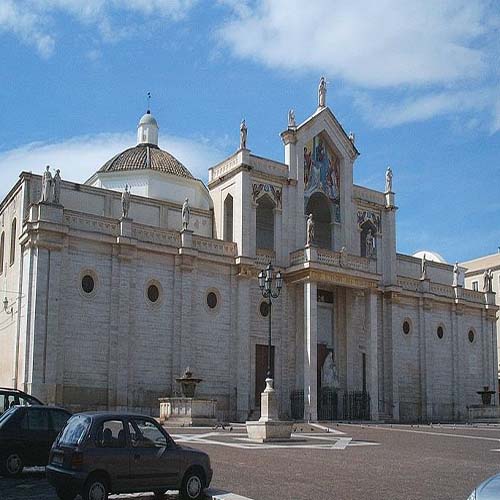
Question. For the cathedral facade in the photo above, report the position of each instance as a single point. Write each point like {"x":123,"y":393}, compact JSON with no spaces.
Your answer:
{"x":110,"y":293}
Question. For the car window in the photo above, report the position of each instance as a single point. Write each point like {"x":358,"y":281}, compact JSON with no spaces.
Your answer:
{"x":6,"y":415}
{"x":27,"y":401}
{"x":58,"y":419}
{"x":145,"y":434}
{"x":74,"y":431}
{"x":35,"y":420}
{"x":111,"y":434}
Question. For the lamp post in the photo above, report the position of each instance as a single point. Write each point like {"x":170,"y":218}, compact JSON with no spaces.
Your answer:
{"x":266,"y":278}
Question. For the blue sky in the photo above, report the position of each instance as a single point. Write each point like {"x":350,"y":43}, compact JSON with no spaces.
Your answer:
{"x":418,"y":83}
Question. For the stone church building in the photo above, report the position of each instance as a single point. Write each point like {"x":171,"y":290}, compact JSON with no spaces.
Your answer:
{"x":106,"y":301}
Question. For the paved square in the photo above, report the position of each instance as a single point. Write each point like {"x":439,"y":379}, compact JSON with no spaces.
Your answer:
{"x":348,"y":462}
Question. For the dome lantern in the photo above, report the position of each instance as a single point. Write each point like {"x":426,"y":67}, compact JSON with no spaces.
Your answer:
{"x":147,"y":130}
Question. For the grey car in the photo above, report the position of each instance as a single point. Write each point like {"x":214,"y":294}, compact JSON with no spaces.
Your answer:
{"x":100,"y":452}
{"x":487,"y":490}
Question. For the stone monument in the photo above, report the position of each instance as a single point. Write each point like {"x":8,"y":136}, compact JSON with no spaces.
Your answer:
{"x":187,"y":410}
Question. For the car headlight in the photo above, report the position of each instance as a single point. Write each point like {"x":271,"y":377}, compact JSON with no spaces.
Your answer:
{"x":472,"y":496}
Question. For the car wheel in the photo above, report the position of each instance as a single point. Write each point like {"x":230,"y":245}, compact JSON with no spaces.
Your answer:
{"x":96,"y":488}
{"x":65,"y":494}
{"x":192,"y":485}
{"x":12,"y":464}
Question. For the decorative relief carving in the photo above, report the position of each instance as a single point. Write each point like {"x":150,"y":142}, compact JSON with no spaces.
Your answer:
{"x":274,"y":191}
{"x":368,"y":215}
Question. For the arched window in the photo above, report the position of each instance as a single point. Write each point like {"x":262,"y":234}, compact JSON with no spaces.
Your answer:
{"x":228,"y":218}
{"x":2,"y":250}
{"x":265,"y":223}
{"x":13,"y":242}
{"x":319,"y":206}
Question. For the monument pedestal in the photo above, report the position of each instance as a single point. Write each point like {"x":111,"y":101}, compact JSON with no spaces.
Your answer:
{"x":269,"y":427}
{"x":188,"y":411}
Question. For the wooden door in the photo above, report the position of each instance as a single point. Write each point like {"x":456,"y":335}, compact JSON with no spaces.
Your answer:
{"x":261,"y":370}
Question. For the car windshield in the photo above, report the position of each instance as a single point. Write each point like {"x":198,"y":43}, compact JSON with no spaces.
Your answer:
{"x":74,"y":431}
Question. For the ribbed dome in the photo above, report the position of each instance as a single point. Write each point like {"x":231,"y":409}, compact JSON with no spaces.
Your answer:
{"x":146,"y":156}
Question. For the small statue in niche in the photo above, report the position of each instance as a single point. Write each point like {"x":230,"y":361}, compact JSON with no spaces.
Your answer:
{"x":329,"y":375}
{"x":370,"y":244}
{"x":310,"y":230}
{"x":186,"y":214}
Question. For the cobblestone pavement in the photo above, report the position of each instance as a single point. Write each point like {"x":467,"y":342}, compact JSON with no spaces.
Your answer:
{"x":349,"y":462}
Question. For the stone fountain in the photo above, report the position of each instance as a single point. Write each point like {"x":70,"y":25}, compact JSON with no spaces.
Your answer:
{"x":187,"y":410}
{"x":486,"y":411}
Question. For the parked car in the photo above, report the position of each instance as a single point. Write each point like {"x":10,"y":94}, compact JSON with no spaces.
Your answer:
{"x":26,"y":435}
{"x":100,"y":452}
{"x":487,"y":490}
{"x":15,"y":397}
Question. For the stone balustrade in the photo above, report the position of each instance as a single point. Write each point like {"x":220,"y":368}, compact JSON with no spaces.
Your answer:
{"x":264,"y":256}
{"x":217,"y":247}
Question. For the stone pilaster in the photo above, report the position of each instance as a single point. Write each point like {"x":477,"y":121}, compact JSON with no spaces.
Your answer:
{"x":372,"y":347}
{"x":310,"y":351}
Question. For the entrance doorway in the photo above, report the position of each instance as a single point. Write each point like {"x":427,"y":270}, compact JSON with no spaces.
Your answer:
{"x":261,"y":370}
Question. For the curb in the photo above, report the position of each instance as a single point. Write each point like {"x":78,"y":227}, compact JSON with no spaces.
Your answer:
{"x":212,"y":494}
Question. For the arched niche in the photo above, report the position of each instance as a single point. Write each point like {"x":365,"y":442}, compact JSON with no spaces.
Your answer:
{"x":321,"y":208}
{"x":264,"y":223}
{"x":228,"y":218}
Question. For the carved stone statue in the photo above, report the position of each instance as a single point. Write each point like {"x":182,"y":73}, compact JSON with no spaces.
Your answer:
{"x":488,"y":281}
{"x":47,"y":186}
{"x":388,"y":180}
{"x":370,"y":244}
{"x":424,"y":267}
{"x":343,"y":257}
{"x":125,"y":202}
{"x":310,"y":230}
{"x":186,"y":213}
{"x":329,"y":376}
{"x":352,"y":137}
{"x":57,"y":187}
{"x":322,"y":93}
{"x":243,"y":134}
{"x":291,"y":119}
{"x":456,"y":274}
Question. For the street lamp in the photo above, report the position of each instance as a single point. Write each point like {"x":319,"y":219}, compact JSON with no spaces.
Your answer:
{"x":266,"y":278}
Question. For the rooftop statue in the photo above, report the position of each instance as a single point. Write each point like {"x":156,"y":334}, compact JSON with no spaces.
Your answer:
{"x":186,"y":213}
{"x":291,"y":119}
{"x":322,"y":93}
{"x":388,"y":180}
{"x":243,"y":134}
{"x":125,"y":202}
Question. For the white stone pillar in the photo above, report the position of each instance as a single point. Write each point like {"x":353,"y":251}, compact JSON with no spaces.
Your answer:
{"x":310,"y":351}
{"x":243,"y":351}
{"x":372,"y":341}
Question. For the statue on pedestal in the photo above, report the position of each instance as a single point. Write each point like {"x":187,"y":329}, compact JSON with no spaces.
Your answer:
{"x":186,"y":213}
{"x":47,"y":186}
{"x":488,"y":281}
{"x":243,"y":134}
{"x":388,"y":180}
{"x":291,"y":119}
{"x":456,"y":275}
{"x":310,"y":230}
{"x":322,"y":93}
{"x":57,"y":187}
{"x":424,"y":268}
{"x":125,"y":202}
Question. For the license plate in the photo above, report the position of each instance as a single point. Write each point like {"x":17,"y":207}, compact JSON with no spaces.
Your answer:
{"x":57,"y":459}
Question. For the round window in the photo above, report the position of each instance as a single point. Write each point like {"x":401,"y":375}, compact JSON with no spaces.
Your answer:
{"x":264,"y":309}
{"x":88,"y":284}
{"x":212,"y":300}
{"x":406,"y":327}
{"x":153,"y":293}
{"x":440,"y":332}
{"x":471,"y":336}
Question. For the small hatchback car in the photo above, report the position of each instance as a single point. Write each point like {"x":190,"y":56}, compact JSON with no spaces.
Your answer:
{"x":101,"y":452}
{"x":26,"y":435}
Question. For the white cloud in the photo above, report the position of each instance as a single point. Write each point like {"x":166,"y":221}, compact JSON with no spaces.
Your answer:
{"x":32,"y":21}
{"x":422,"y":107}
{"x":79,"y":157}
{"x":437,"y":49}
{"x":370,"y":44}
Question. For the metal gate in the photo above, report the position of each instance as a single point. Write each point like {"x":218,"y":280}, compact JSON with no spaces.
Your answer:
{"x":327,"y":404}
